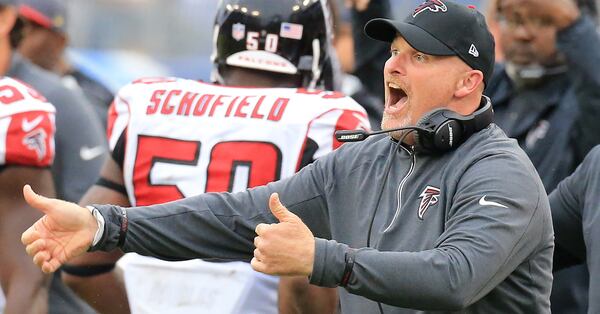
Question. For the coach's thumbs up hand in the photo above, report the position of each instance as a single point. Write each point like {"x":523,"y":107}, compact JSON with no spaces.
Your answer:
{"x":286,"y":248}
{"x":67,"y":230}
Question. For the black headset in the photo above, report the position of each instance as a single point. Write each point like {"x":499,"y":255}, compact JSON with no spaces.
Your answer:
{"x":442,"y":130}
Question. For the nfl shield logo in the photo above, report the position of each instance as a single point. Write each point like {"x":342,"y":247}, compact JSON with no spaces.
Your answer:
{"x":238,"y":31}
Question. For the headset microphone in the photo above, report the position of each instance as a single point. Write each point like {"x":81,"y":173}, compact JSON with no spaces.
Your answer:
{"x":345,"y":136}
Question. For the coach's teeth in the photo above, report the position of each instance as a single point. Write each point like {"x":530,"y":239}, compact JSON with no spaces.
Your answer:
{"x":394,"y":86}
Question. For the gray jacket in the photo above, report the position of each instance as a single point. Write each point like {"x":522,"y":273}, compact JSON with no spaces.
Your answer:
{"x":466,"y":231}
{"x":577,"y":222}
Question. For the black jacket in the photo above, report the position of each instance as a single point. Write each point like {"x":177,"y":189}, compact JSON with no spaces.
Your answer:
{"x":556,"y":123}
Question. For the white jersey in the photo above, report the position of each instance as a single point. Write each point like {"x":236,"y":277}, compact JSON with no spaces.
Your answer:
{"x":177,"y":138}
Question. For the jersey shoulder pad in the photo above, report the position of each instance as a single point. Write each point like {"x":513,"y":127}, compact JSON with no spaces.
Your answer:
{"x":26,"y":126}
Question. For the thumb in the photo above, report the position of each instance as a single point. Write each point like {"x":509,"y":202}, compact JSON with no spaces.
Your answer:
{"x":280,"y":211}
{"x":42,"y":203}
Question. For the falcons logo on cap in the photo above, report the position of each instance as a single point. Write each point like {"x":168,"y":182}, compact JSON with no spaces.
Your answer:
{"x":429,"y":197}
{"x":431,"y":5}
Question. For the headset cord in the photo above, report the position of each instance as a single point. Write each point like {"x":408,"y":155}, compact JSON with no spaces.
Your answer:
{"x":388,"y":167}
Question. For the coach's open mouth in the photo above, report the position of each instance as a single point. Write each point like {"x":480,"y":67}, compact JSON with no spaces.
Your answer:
{"x":397,"y":96}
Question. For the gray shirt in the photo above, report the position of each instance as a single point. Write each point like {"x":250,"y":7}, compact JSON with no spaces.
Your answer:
{"x":467,"y":231}
{"x":80,"y":144}
{"x":576,"y":220}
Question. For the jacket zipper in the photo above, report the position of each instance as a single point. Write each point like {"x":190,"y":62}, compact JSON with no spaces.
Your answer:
{"x":401,"y":186}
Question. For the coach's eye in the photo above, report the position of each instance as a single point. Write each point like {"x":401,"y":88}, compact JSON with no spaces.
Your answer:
{"x":394,"y":52}
{"x":420,"y":57}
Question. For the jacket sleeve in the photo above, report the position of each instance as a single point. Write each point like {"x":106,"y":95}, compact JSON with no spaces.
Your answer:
{"x":498,"y":216}
{"x":580,"y":43}
{"x":576,"y":218}
{"x":215,"y":226}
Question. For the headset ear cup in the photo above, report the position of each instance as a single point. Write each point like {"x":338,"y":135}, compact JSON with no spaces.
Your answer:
{"x":447,"y":135}
{"x":447,"y":129}
{"x":424,"y":139}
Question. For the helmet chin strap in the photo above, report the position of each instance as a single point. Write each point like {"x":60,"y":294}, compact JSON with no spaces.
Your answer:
{"x":215,"y":75}
{"x":308,"y":66}
{"x":532,"y":74}
{"x":316,"y":70}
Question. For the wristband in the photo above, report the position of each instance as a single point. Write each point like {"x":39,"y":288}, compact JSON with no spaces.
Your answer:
{"x":100,"y":221}
{"x":124,"y":225}
{"x":349,"y":266}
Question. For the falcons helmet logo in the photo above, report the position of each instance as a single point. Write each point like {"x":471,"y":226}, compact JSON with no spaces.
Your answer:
{"x":36,"y":141}
{"x":429,"y":197}
{"x":431,"y":5}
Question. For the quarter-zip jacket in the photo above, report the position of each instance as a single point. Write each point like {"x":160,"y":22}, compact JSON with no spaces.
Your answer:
{"x":467,"y":231}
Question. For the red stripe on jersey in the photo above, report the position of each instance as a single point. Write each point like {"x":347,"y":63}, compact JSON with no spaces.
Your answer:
{"x":113,"y":114}
{"x":30,"y":139}
{"x":112,"y":117}
{"x":349,"y":120}
{"x":302,"y":151}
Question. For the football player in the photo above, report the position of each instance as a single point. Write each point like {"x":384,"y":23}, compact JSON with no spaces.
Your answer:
{"x":26,"y":153}
{"x":270,"y":112}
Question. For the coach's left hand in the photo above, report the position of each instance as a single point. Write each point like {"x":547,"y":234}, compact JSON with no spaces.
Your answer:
{"x":286,"y":248}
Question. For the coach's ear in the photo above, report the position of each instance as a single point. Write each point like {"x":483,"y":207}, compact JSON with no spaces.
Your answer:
{"x":470,"y":82}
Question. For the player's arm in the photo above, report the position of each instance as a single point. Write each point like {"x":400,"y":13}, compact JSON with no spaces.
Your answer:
{"x":24,"y":285}
{"x":26,"y":154}
{"x":93,"y":276}
{"x":296,"y":295}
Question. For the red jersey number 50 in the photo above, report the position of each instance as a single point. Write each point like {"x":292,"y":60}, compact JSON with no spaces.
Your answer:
{"x":262,"y":160}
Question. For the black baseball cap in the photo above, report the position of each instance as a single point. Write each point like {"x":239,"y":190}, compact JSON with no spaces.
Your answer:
{"x":442,"y":28}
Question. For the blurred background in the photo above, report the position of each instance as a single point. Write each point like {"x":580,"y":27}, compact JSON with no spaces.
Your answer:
{"x":106,"y":43}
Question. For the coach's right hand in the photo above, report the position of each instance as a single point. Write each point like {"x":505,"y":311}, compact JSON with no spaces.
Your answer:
{"x":66,"y":231}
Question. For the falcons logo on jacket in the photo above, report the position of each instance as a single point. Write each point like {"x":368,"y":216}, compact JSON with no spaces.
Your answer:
{"x":429,"y":197}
